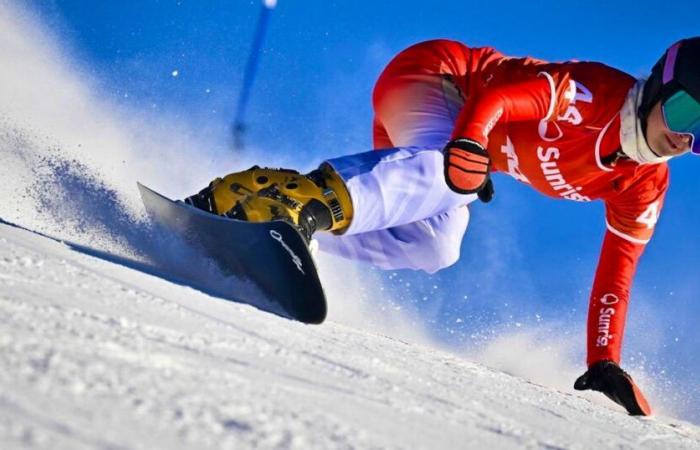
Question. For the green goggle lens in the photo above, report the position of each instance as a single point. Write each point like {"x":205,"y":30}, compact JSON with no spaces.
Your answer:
{"x":682,"y":115}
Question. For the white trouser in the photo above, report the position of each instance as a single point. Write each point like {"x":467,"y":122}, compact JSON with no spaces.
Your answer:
{"x":405,"y":215}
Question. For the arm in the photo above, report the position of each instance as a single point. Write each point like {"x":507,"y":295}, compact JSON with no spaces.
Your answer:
{"x":467,"y":163}
{"x":610,"y":296}
{"x":630,"y":218}
{"x":540,"y":98}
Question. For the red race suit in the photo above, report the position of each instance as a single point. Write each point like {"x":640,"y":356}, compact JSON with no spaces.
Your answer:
{"x":553,"y":126}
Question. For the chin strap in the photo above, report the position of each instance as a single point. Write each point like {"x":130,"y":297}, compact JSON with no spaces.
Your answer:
{"x":632,"y":139}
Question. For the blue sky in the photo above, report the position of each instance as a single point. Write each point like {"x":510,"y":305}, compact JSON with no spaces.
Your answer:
{"x":526,"y":259}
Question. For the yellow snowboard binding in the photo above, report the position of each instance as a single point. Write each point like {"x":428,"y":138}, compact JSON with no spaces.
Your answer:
{"x":315,"y":201}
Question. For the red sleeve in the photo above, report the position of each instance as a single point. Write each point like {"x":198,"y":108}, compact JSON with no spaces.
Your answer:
{"x":608,"y":304}
{"x":541,"y":97}
{"x":631,"y":216}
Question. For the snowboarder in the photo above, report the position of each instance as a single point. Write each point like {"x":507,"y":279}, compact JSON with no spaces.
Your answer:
{"x":446,"y":117}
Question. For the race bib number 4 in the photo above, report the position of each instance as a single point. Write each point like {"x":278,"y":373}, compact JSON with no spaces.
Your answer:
{"x":650,"y":216}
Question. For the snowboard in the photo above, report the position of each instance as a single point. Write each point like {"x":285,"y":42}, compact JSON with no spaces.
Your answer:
{"x":272,"y":255}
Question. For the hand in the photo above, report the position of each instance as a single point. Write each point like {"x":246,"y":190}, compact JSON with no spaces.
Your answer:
{"x":607,"y":377}
{"x":487,"y":192}
{"x":467,"y":166}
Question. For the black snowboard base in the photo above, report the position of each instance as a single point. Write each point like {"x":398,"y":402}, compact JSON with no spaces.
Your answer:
{"x":272,"y":255}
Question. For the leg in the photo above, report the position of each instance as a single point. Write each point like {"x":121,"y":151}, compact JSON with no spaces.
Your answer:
{"x":429,"y":244}
{"x":405,"y":216}
{"x":394,"y":187}
{"x":417,"y":109}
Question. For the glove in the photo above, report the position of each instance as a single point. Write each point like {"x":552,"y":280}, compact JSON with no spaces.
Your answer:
{"x":607,"y":377}
{"x":467,"y":166}
{"x":486,"y":194}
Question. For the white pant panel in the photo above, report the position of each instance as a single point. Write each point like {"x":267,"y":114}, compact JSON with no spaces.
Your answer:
{"x":405,"y":215}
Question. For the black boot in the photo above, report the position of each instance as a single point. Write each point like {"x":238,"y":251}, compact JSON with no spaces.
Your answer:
{"x":203,"y":200}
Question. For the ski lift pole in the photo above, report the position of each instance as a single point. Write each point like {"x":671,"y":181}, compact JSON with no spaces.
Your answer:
{"x":250,"y":71}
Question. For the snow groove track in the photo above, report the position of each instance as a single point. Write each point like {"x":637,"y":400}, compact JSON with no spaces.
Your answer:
{"x":97,"y":355}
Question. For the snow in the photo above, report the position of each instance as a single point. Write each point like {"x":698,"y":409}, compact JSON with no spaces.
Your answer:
{"x":97,"y":354}
{"x":103,"y":345}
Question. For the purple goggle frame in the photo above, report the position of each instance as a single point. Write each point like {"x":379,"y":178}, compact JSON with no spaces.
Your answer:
{"x":681,"y":112}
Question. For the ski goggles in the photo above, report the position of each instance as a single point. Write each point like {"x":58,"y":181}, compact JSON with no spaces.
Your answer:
{"x":680,"y":110}
{"x":681,"y":113}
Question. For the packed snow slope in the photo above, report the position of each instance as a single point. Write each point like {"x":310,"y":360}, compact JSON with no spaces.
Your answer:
{"x":101,"y":352}
{"x":111,"y":337}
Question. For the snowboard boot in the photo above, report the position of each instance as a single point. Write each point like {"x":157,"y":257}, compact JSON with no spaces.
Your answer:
{"x":607,"y":377}
{"x":316,"y":201}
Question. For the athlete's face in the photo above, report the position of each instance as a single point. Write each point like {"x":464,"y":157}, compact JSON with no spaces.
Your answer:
{"x":663,"y":141}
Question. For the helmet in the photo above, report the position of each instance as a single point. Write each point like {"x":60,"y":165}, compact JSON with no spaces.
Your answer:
{"x":675,"y":81}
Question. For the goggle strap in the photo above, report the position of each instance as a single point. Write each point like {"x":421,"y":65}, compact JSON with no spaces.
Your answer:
{"x":670,"y":63}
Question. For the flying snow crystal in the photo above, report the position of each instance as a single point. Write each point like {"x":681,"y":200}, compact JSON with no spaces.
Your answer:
{"x":175,"y":73}
{"x":270,"y":4}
